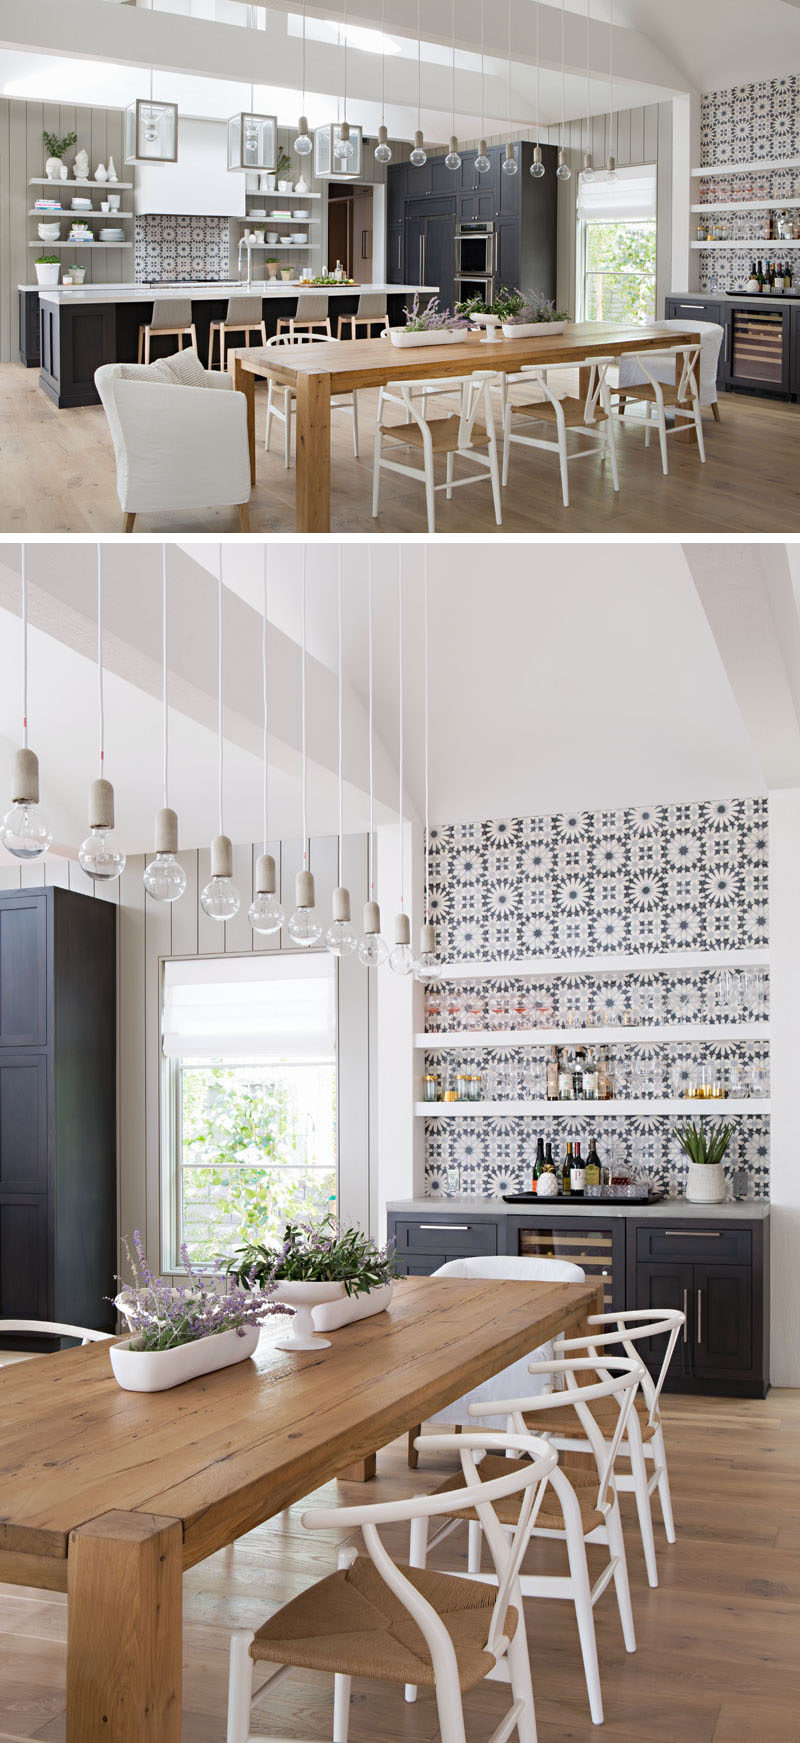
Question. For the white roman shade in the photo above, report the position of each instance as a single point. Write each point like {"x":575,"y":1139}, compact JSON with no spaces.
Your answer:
{"x":631,"y":198}
{"x":241,"y":1008}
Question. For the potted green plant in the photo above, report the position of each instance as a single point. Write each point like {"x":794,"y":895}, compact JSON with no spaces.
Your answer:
{"x":48,"y":267}
{"x":429,"y":325}
{"x":328,"y":1273}
{"x":534,"y":314}
{"x":177,"y":1334}
{"x":271,"y":265}
{"x":283,"y":164}
{"x":705,"y":1145}
{"x":77,"y":274}
{"x":55,"y":169}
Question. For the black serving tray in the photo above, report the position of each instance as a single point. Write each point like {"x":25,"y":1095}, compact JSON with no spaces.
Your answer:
{"x":567,"y":1199}
{"x":760,"y":296}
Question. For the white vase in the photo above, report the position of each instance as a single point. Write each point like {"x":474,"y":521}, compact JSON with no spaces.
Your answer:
{"x":705,"y":1183}
{"x":158,"y":1370}
{"x":101,"y":173}
{"x":302,"y":1297}
{"x":112,"y":172}
{"x":55,"y":170}
{"x":351,"y":1307}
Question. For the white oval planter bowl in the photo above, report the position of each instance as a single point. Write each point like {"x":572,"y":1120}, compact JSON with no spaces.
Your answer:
{"x":352,"y":1307}
{"x":158,"y":1370}
{"x":705,"y":1183}
{"x":404,"y":340}
{"x":532,"y":329}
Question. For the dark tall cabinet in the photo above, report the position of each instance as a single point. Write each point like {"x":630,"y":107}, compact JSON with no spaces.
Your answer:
{"x":57,"y":1107}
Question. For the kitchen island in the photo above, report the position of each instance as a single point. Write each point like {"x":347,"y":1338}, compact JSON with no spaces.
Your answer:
{"x":79,"y":327}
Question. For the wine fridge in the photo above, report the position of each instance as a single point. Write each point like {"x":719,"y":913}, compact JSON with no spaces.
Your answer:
{"x":759,"y":349}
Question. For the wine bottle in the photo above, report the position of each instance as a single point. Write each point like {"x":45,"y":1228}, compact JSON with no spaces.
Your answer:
{"x":577,"y":1173}
{"x":590,"y":1077}
{"x":538,"y":1162}
{"x":593,"y":1169}
{"x":552,"y":1075}
{"x":548,"y":1156}
{"x":565,"y":1177}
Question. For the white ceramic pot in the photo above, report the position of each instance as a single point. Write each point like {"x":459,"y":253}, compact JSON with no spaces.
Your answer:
{"x":47,"y":273}
{"x":705,"y":1183}
{"x":158,"y":1370}
{"x":55,"y":170}
{"x":286,"y":187}
{"x":49,"y":232}
{"x":531,"y":329}
{"x":404,"y":340}
{"x":303,"y":1297}
{"x":352,"y":1307}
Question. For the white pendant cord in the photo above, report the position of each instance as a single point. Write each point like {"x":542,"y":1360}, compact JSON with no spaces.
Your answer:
{"x":538,"y":70}
{"x":371,"y":855}
{"x":427,"y":757}
{"x":344,"y":99}
{"x":304,"y":56}
{"x":164,"y":695}
{"x":588,"y":75}
{"x":220,"y":735}
{"x":340,"y":723}
{"x":400,"y":724}
{"x":509,"y":68}
{"x":100,"y":697}
{"x":611,"y":80}
{"x":264,"y":694}
{"x":563,"y":73}
{"x":419,"y":66}
{"x":483,"y":74}
{"x":304,"y":786}
{"x":24,"y":604}
{"x":383,"y":66}
{"x":453,"y":90}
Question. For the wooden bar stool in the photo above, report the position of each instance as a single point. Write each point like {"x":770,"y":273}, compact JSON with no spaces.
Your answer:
{"x":315,"y":315}
{"x":371,"y":312}
{"x":167,"y":317}
{"x":243,"y":315}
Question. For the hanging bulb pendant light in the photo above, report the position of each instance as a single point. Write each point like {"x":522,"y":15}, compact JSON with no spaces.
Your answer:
{"x":482,"y":163}
{"x":427,"y":966}
{"x":510,"y":166}
{"x":220,"y":898}
{"x":25,"y":831}
{"x":303,"y":144}
{"x":401,"y":959}
{"x":419,"y":155}
{"x":383,"y":150}
{"x":452,"y":160}
{"x":588,"y":167}
{"x":304,"y":927}
{"x":563,"y":172}
{"x":340,"y":937}
{"x":265,"y":912}
{"x":97,"y":855}
{"x":344,"y":148}
{"x":373,"y":949}
{"x":611,"y":171}
{"x":537,"y":166}
{"x":164,"y":878}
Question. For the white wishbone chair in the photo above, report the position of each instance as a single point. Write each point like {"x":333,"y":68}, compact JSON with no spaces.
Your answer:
{"x":589,"y":416}
{"x":461,"y":434}
{"x":356,"y":1621}
{"x":44,"y":1328}
{"x":644,"y":1438}
{"x":681,"y":396}
{"x":281,"y":399}
{"x":579,"y":1506}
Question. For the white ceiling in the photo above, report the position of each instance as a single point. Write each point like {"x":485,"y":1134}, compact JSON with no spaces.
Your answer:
{"x":581,"y":676}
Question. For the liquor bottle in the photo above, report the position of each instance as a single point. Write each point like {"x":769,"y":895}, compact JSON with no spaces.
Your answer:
{"x":760,"y":276}
{"x":566,"y":1090}
{"x":566,"y":1186}
{"x":590,"y":1077}
{"x":577,"y":1073}
{"x":538,"y":1162}
{"x":752,"y":281}
{"x":577,"y":1174}
{"x":603,"y":1076}
{"x":593,"y":1169}
{"x":552,"y":1075}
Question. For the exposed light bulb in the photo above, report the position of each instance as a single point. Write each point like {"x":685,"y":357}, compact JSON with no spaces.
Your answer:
{"x":427,"y":965}
{"x":373,"y":949}
{"x":304,"y":927}
{"x":452,"y":160}
{"x":25,"y":830}
{"x":164,"y":878}
{"x":482,"y":163}
{"x":563,"y":172}
{"x":265,"y":912}
{"x":537,"y":167}
{"x":303,"y":144}
{"x":510,"y":165}
{"x":587,"y":173}
{"x":340,"y":938}
{"x":383,"y":150}
{"x":97,"y":855}
{"x":345,"y":146}
{"x":220,"y":898}
{"x":611,"y":172}
{"x":401,"y":959}
{"x":419,"y":155}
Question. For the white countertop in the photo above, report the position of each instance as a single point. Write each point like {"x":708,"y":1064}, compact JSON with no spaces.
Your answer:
{"x":748,"y":1209}
{"x":725,"y":297}
{"x":142,"y":293}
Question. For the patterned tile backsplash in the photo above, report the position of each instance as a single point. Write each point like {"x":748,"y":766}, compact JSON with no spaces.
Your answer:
{"x":745,"y":124}
{"x":181,"y":248}
{"x":634,"y":881}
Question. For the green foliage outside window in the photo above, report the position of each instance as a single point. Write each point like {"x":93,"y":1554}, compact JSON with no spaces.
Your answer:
{"x":620,"y":272}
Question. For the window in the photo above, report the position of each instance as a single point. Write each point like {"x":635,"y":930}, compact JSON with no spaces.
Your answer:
{"x":617,"y":247}
{"x":250,"y":1106}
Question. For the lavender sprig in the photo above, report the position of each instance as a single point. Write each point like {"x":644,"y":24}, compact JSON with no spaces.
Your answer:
{"x":162,"y":1317}
{"x":431,"y":318}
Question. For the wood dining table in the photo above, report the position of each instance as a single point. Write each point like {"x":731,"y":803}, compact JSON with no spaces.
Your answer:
{"x":109,"y":1495}
{"x":318,"y":371}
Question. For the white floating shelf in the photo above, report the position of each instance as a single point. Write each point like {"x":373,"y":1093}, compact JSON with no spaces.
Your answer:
{"x":48,"y":215}
{"x":72,"y":243}
{"x":765,"y":165}
{"x":274,"y":195}
{"x":456,"y":1040}
{"x":745,"y":206}
{"x":570,"y":1110}
{"x":748,"y":242}
{"x":47,"y":182}
{"x":540,"y":967}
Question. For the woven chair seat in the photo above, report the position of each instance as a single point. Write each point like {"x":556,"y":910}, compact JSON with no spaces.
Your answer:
{"x":566,"y":1423}
{"x":574,"y":411}
{"x":350,"y":1622}
{"x":669,"y":391}
{"x":444,"y":434}
{"x":584,"y":1480}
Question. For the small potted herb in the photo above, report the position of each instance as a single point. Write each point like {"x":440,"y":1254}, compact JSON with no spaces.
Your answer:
{"x":534,"y":315}
{"x":429,"y":325}
{"x":177,"y":1334}
{"x":271,"y":265}
{"x":283,"y":164}
{"x":48,"y":267}
{"x":705,"y":1145}
{"x":329,"y":1274}
{"x":76,"y":273}
{"x":55,"y":169}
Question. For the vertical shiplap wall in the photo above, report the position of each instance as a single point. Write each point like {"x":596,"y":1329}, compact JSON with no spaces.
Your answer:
{"x":147,"y":933}
{"x":22,"y":155}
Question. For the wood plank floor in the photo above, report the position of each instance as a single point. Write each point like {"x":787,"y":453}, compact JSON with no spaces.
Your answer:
{"x":717,"y":1658}
{"x":57,"y":475}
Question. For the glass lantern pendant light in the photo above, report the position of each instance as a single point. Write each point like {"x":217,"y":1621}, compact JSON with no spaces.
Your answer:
{"x":164,"y":878}
{"x":401,"y":960}
{"x":452,"y":160}
{"x":373,"y":949}
{"x":344,"y":147}
{"x":303,"y":144}
{"x":509,"y":161}
{"x":383,"y":150}
{"x":537,"y":166}
{"x":252,"y":140}
{"x":563,"y":172}
{"x":265,"y":912}
{"x":427,"y":966}
{"x":588,"y":166}
{"x":340,"y":937}
{"x":220,"y":898}
{"x":482,"y":163}
{"x":97,"y":855}
{"x":151,"y":130}
{"x":304,"y":927}
{"x":25,"y":831}
{"x":611,"y":171}
{"x":419,"y":156}
{"x":337,"y":145}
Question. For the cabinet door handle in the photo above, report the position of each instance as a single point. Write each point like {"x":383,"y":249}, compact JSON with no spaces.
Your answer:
{"x":686,"y":1316}
{"x":694,"y":1234}
{"x":699,"y":1316}
{"x":460,"y":1228}
{"x":422,"y":260}
{"x":726,"y":341}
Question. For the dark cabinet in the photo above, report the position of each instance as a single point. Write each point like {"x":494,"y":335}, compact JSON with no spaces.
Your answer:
{"x":422,"y":1245}
{"x":29,"y":350}
{"x":57,"y":1107}
{"x":430,"y":246}
{"x":761,"y":345}
{"x":794,"y":379}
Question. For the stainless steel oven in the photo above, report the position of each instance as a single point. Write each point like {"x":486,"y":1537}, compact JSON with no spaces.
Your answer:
{"x":475,"y":250}
{"x":468,"y":287}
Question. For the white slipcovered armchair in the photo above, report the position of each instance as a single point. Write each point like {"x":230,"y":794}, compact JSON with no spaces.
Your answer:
{"x":176,"y":446}
{"x":710,"y":334}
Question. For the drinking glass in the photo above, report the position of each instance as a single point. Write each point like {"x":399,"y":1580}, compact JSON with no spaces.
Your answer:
{"x":496,"y":1010}
{"x":434,"y":1008}
{"x":453,"y":1009}
{"x":534,"y":1078}
{"x":473,"y":1010}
